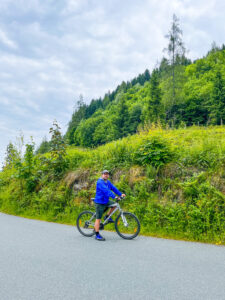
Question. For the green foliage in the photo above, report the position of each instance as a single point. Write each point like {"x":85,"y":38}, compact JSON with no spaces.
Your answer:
{"x":12,"y":156}
{"x":78,"y":115}
{"x":28,"y":169}
{"x":154,"y":109}
{"x":134,"y":118}
{"x":25,"y":171}
{"x":156,"y":152}
{"x":122,"y":119}
{"x":105,"y":131}
{"x":84,"y":134}
{"x":44,"y":147}
{"x":217,"y":101}
{"x":58,"y":151}
{"x":83,"y":112}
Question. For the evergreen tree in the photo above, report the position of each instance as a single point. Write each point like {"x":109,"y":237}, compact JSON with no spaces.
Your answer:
{"x":83,"y":136}
{"x":154,"y":107}
{"x":141,"y":79}
{"x":106,"y":101}
{"x":134,"y":81}
{"x":78,"y":115}
{"x":134,"y":118}
{"x":192,"y":112}
{"x":44,"y":147}
{"x":12,"y":156}
{"x":175,"y":48}
{"x":217,"y":101}
{"x":214,"y":48}
{"x":164,"y":67}
{"x":122,"y":118}
{"x":147,"y":75}
{"x":92,"y":107}
{"x":122,"y":87}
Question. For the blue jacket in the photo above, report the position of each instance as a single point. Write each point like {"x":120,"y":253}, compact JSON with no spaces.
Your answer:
{"x":104,"y":191}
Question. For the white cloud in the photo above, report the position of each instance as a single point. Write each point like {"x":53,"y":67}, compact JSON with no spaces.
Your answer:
{"x":72,"y":6}
{"x":6,"y":40}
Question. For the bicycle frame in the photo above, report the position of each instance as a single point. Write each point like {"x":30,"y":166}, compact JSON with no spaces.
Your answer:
{"x":112,"y":213}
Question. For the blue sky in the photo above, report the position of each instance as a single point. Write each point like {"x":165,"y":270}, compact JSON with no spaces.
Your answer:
{"x":53,"y":51}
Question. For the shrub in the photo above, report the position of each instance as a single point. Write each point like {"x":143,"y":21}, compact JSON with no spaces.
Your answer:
{"x":59,"y":162}
{"x":155,"y":152}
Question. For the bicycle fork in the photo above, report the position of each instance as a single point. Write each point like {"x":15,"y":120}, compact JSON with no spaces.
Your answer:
{"x":124,"y":219}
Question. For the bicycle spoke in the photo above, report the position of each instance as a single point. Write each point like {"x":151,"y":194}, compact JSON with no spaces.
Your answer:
{"x":85,"y":223}
{"x":127,"y":226}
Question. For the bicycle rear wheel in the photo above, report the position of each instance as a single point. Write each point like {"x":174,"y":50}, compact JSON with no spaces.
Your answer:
{"x":86,"y":222}
{"x":127,"y":225}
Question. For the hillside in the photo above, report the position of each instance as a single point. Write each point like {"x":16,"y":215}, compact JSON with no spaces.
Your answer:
{"x":174,"y":180}
{"x":196,"y":96}
{"x":198,"y":99}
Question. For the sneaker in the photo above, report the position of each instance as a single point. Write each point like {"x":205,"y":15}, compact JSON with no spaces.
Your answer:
{"x":98,"y":237}
{"x":110,"y":220}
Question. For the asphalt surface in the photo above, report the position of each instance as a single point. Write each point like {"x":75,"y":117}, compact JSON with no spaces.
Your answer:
{"x":41,"y":260}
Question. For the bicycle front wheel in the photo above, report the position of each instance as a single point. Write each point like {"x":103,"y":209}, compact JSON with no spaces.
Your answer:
{"x":86,"y":222}
{"x":127,"y":225}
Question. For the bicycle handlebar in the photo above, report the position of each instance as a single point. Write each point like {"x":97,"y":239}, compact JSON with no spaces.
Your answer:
{"x":119,"y":198}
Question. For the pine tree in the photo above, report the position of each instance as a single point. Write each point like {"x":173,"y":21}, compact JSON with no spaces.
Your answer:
{"x":105,"y":101}
{"x":78,"y":115}
{"x":134,"y":118}
{"x":12,"y":155}
{"x":122,"y":118}
{"x":147,"y":75}
{"x":164,"y":67}
{"x":175,"y":48}
{"x":44,"y":147}
{"x":154,"y":109}
{"x":217,"y":102}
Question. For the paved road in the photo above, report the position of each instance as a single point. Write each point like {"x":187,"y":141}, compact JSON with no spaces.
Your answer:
{"x":40,"y":260}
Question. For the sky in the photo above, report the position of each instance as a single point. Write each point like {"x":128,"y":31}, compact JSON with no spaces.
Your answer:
{"x":53,"y":51}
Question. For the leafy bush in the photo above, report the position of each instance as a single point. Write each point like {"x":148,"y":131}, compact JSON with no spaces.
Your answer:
{"x":155,"y":152}
{"x":59,"y":161}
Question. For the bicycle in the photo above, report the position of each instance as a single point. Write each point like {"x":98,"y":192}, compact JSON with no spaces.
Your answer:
{"x":127,"y":224}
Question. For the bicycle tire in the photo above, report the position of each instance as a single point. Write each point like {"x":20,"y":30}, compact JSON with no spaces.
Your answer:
{"x":89,"y":214}
{"x":124,"y":234}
